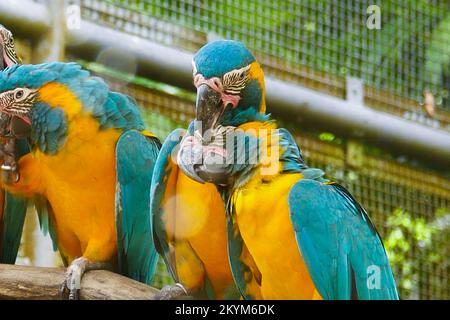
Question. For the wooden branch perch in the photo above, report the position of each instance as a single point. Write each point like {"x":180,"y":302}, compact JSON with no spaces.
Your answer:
{"x":19,"y":282}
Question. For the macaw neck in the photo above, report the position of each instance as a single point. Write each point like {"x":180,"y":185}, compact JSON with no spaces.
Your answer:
{"x":61,"y":110}
{"x":81,"y":137}
{"x":240,"y":116}
{"x":49,"y":128}
{"x":278,"y":153}
{"x":261,"y":150}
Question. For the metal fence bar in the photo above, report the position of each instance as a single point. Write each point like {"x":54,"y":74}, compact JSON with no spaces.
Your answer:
{"x":173,"y":66}
{"x":32,"y":22}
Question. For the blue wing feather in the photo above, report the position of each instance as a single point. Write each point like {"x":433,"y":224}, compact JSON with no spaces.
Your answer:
{"x":136,"y":157}
{"x":344,"y":253}
{"x":163,"y":170}
{"x":15,"y":209}
{"x":13,"y":218}
{"x":47,"y":220}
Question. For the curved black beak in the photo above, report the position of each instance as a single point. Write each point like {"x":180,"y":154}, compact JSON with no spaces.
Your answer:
{"x":208,"y":107}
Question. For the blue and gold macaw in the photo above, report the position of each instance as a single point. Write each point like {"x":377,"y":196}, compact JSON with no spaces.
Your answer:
{"x":190,"y":230}
{"x":309,"y":238}
{"x":12,"y":207}
{"x":89,"y":170}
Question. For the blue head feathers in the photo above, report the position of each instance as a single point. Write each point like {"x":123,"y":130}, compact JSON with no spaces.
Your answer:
{"x":49,"y":123}
{"x":221,"y":56}
{"x":231,"y":70}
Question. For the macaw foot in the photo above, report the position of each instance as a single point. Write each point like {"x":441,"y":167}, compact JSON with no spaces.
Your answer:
{"x":172,"y":292}
{"x":71,"y":286}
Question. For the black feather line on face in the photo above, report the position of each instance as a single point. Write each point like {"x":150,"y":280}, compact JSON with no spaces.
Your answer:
{"x":236,"y":80}
{"x":11,"y":54}
{"x":18,"y":106}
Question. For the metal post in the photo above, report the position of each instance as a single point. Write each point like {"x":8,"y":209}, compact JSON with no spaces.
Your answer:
{"x":51,"y":45}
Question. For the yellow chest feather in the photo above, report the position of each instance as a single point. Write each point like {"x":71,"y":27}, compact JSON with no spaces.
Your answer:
{"x":79,"y":183}
{"x":264,"y":221}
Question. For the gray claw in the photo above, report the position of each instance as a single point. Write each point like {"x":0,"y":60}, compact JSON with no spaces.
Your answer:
{"x":71,"y":286}
{"x":63,"y":290}
{"x":172,"y":292}
{"x":74,"y":294}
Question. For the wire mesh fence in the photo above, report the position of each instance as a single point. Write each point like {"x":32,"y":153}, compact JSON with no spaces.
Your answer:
{"x":317,"y":43}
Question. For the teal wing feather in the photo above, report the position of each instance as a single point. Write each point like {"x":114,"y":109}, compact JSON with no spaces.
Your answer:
{"x":46,"y":219}
{"x":13,"y":218}
{"x":159,"y":187}
{"x":136,"y":157}
{"x":14,"y":212}
{"x":340,"y":245}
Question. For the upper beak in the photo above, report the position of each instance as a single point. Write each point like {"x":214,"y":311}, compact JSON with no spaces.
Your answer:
{"x":208,"y":107}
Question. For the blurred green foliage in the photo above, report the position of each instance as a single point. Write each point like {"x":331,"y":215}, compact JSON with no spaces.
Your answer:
{"x":162,"y":275}
{"x":416,"y":250}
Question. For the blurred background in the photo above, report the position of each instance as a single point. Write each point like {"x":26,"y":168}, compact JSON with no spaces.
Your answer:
{"x":363,"y":85}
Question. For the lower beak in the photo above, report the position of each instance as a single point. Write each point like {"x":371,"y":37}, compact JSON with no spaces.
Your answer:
{"x":208,"y":107}
{"x":20,"y":127}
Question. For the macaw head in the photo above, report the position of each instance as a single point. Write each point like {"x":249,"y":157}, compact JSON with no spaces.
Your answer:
{"x":44,"y":100}
{"x":230,"y":85}
{"x":8,"y":55}
{"x":230,"y":94}
{"x":29,"y":95}
{"x":236,"y":138}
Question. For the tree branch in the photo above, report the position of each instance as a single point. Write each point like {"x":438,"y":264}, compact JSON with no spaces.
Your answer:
{"x":19,"y":282}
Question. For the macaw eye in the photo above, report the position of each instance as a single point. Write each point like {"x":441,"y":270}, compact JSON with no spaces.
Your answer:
{"x":19,"y":94}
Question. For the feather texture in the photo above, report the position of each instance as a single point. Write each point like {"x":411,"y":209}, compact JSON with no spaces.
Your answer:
{"x":190,"y":228}
{"x":137,"y":256}
{"x":90,"y":168}
{"x":339,"y":243}
{"x":13,"y":209}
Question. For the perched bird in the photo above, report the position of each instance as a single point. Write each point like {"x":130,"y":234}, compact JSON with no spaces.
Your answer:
{"x":190,"y":230}
{"x":89,"y":169}
{"x":12,"y":207}
{"x":309,"y":238}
